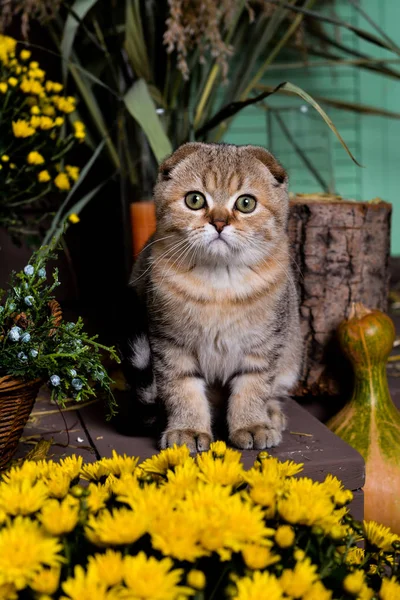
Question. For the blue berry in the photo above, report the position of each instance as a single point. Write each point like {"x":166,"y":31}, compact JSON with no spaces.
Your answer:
{"x":55,"y":380}
{"x":99,"y":375}
{"x":22,"y":357}
{"x":33,"y":353}
{"x":72,"y":372}
{"x":15,"y":334}
{"x":42,"y":273}
{"x":29,"y":270}
{"x":26,"y":337}
{"x":70,"y":325}
{"x":28,"y":300}
{"x":11,"y":306}
{"x":77,"y":384}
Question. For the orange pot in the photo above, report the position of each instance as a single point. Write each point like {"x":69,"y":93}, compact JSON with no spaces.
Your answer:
{"x":143,"y":221}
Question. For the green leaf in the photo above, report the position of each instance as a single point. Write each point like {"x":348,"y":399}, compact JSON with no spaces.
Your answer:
{"x":78,"y":11}
{"x":77,"y":207}
{"x":139,"y":103}
{"x":58,"y":216}
{"x":233,"y":108}
{"x":135,"y":45}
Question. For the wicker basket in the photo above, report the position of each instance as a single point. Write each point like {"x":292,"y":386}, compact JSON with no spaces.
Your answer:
{"x":17,"y":398}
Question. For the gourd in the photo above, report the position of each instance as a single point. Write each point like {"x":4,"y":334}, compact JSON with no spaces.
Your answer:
{"x":370,"y":422}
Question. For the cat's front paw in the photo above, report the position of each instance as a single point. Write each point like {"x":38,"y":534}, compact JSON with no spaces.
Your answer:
{"x":257,"y":437}
{"x":196,"y":441}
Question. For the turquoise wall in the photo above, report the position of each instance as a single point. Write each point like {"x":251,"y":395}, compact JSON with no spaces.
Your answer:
{"x":375,"y":141}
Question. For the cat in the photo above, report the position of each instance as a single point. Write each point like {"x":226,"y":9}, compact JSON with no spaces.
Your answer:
{"x":216,"y":299}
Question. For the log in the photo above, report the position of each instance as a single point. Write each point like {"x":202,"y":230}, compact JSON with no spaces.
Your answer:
{"x":340,"y":251}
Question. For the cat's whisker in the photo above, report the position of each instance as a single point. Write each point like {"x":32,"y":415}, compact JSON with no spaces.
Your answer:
{"x":153,"y":263}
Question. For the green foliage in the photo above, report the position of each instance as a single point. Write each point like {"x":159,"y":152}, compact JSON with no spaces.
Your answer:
{"x":33,"y":344}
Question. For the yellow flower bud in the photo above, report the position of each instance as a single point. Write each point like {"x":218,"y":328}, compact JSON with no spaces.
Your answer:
{"x":5,"y":158}
{"x":34,"y":65}
{"x":73,"y":218}
{"x":35,"y":110}
{"x":59,"y":121}
{"x":25,"y":54}
{"x":12,"y":81}
{"x":44,"y":176}
{"x":3,"y":87}
{"x":35,"y":158}
{"x":62,"y":182}
{"x":285,"y":536}
{"x":196,"y":579}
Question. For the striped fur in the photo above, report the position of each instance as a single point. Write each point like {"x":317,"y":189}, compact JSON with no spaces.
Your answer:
{"x":221,"y":308}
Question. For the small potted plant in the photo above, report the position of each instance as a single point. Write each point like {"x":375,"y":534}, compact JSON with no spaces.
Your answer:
{"x":38,"y":347}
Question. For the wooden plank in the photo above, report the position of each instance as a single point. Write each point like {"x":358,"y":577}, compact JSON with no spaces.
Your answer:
{"x":306,"y":440}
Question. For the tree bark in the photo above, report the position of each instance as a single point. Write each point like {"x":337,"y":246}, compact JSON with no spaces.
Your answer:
{"x":340,"y":252}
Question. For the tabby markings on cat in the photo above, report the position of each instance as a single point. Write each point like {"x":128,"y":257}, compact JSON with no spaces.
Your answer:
{"x":217,"y":298}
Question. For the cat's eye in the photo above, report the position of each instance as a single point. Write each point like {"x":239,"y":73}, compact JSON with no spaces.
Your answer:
{"x":195,"y":200}
{"x":246,"y":204}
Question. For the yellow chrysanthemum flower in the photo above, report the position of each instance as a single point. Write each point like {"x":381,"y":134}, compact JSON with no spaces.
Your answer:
{"x":25,"y":54}
{"x":296,"y":582}
{"x":7,"y":48}
{"x":379,"y":536}
{"x":107,"y":567}
{"x":35,"y":158}
{"x":35,"y":110}
{"x":258,"y":557}
{"x":22,"y":497}
{"x":13,"y":81}
{"x":80,"y":130}
{"x":177,"y":535}
{"x":44,"y":176}
{"x":94,"y":471}
{"x":31,"y":86}
{"x":355,"y":556}
{"x":261,"y":586}
{"x":117,"y":464}
{"x":166,"y":459}
{"x":71,"y":465}
{"x":150,"y":579}
{"x":317,"y":592}
{"x":60,"y":517}
{"x":29,"y":470}
{"x":98,"y":496}
{"x":3,"y":87}
{"x":46,"y":123}
{"x":85,"y":586}
{"x":285,"y":536}
{"x":5,"y":158}
{"x":34,"y":65}
{"x":182,"y":478}
{"x":62,"y":182}
{"x":353,"y":583}
{"x":65,"y":105}
{"x":196,"y":579}
{"x":58,"y":121}
{"x":24,"y":549}
{"x":218,"y":471}
{"x":285,"y":469}
{"x":121,"y":526}
{"x":305,"y":502}
{"x":46,"y":580}
{"x":390,"y":589}
{"x":335,"y":488}
{"x":73,"y":173}
{"x":22,"y":129}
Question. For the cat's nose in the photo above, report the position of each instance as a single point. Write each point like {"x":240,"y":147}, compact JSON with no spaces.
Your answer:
{"x":219,"y":224}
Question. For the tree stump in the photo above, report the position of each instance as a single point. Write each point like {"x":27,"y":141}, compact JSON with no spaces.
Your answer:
{"x":340,"y":251}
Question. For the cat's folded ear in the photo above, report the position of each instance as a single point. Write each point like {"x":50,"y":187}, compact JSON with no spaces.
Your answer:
{"x":270,"y":162}
{"x":174,"y":159}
